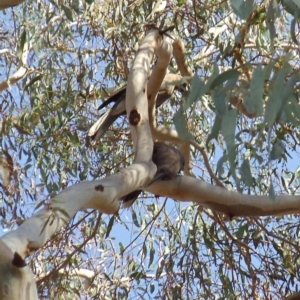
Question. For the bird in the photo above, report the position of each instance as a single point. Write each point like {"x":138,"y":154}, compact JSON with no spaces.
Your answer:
{"x":169,"y":162}
{"x":118,"y":109}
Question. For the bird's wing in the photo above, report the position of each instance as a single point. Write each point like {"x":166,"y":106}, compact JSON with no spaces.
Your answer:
{"x":100,"y":127}
{"x":119,"y":95}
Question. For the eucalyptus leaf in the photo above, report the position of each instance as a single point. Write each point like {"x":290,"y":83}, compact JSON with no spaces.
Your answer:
{"x":197,"y":90}
{"x":277,"y":150}
{"x":292,"y":31}
{"x":22,"y":43}
{"x":228,"y":131}
{"x":215,"y":129}
{"x":242,"y":8}
{"x":291,"y":7}
{"x":180,"y":125}
{"x":275,"y":99}
{"x":246,"y":174}
{"x":230,"y":75}
{"x":254,"y":104}
{"x":220,"y":100}
{"x":68,"y":12}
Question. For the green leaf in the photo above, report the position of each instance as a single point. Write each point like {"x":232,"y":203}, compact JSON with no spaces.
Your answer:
{"x":220,"y":169}
{"x":242,"y":8}
{"x":32,"y":81}
{"x":230,"y":75}
{"x":228,"y":130}
{"x":134,"y":218}
{"x":214,"y":75}
{"x":289,"y":90}
{"x":246,"y":174}
{"x":109,"y":226}
{"x":254,"y":104}
{"x":68,"y":12}
{"x":291,"y":8}
{"x":22,"y":43}
{"x":278,"y":150}
{"x":292,"y":31}
{"x":220,"y":100}
{"x":292,"y":110}
{"x":151,"y":256}
{"x":145,"y":250}
{"x":215,"y":129}
{"x":272,"y":194}
{"x":242,"y":232}
{"x":198,"y":89}
{"x":275,"y":98}
{"x":270,"y":21}
{"x":228,"y":127}
{"x":121,"y":247}
{"x":75,"y":6}
{"x":180,"y":125}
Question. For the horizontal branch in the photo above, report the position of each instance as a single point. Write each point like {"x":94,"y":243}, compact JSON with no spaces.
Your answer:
{"x":186,"y":188}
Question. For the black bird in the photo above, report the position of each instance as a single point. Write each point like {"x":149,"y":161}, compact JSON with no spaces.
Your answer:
{"x":118,"y":109}
{"x":169,"y":161}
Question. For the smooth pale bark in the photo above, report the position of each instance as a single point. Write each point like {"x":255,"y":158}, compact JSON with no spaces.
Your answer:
{"x":163,"y":54}
{"x":232,"y":203}
{"x":180,"y":57}
{"x":137,"y":111}
{"x":16,"y":279}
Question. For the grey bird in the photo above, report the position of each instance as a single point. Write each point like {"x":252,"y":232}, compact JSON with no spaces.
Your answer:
{"x":118,"y":109}
{"x":169,"y":161}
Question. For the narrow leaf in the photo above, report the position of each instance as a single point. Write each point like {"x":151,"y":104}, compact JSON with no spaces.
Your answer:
{"x":242,"y":8}
{"x":197,"y":91}
{"x":228,"y":130}
{"x":215,"y":129}
{"x":109,"y":226}
{"x":180,"y":125}
{"x":225,"y":76}
{"x":134,"y":219}
{"x":254,"y":104}
{"x":292,"y":31}
{"x":245,"y":171}
{"x":151,"y":256}
{"x":68,"y":12}
{"x":22,"y":43}
{"x":275,"y":97}
{"x":220,"y":100}
{"x":277,"y":150}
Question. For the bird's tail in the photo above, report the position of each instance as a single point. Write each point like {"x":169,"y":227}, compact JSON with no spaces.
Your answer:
{"x":130,"y":198}
{"x":100,"y":127}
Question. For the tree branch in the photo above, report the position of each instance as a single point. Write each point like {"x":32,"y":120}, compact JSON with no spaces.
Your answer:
{"x":186,"y":188}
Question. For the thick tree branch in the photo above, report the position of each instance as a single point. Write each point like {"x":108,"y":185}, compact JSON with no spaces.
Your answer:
{"x":157,"y":76}
{"x":136,"y":97}
{"x":186,"y":188}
